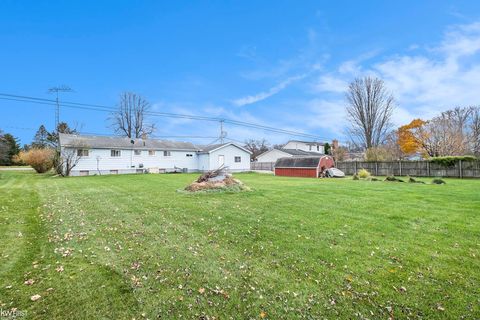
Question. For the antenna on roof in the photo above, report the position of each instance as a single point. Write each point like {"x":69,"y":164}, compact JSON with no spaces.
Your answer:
{"x":56,"y":90}
{"x":223,"y":134}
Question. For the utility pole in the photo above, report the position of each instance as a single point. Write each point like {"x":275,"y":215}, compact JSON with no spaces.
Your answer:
{"x":223,"y":134}
{"x":56,"y":90}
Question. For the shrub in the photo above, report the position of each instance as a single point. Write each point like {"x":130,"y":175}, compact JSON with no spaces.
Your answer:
{"x":39,"y":159}
{"x":355,"y":177}
{"x":362,"y":173}
{"x":380,"y":153}
{"x":438,"y":181}
{"x":393,"y":179}
{"x":451,"y":160}
{"x":413,"y":180}
{"x":373,"y":179}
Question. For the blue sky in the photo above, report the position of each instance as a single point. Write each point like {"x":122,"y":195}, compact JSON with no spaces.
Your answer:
{"x":279,"y":63}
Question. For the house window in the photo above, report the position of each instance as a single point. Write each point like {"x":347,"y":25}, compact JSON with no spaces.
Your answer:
{"x":137,"y":152}
{"x":166,"y":153}
{"x":189,"y":155}
{"x":151,"y":152}
{"x":310,"y":148}
{"x":318,"y":148}
{"x":238,"y":159}
{"x":84,"y":172}
{"x":113,"y":171}
{"x":82,"y":152}
{"x":115,"y":153}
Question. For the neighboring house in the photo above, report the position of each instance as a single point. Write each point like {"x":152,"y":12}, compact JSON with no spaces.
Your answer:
{"x":305,"y":146}
{"x":115,"y":155}
{"x":275,"y":154}
{"x":293,"y":148}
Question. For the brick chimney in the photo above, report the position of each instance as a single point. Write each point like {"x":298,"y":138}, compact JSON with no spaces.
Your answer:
{"x":334,"y":144}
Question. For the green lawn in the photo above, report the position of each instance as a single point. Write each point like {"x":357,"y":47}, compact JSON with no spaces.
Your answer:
{"x":124,"y":247}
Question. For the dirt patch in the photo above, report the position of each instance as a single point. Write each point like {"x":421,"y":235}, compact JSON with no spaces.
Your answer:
{"x":226,"y":183}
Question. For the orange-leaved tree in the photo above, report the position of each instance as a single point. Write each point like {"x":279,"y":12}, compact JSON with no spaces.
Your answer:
{"x":410,"y":136}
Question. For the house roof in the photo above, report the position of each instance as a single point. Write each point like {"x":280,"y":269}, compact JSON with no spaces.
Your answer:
{"x":104,"y":142}
{"x":293,"y":162}
{"x":297,"y":152}
{"x":293,"y":152}
{"x":213,"y":147}
{"x":313,"y":143}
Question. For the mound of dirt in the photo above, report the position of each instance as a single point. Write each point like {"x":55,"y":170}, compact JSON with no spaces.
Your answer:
{"x":227,"y":183}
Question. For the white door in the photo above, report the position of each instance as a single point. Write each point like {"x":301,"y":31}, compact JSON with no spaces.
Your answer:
{"x":221,"y":160}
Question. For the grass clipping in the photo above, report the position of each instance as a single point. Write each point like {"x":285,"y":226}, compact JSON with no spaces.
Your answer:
{"x":227,"y":184}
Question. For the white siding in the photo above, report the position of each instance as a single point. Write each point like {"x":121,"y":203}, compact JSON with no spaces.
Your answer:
{"x":204,"y":162}
{"x":298,"y":145}
{"x":272,"y":156}
{"x":230,"y":152}
{"x":100,"y":161}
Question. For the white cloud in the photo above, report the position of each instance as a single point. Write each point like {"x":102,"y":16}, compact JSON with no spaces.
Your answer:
{"x":425,"y":83}
{"x":267,"y":94}
{"x":331,"y":83}
{"x":327,"y":114}
{"x":461,"y":40}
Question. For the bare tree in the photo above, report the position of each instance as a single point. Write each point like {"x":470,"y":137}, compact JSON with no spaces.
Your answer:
{"x":369,"y":111}
{"x":69,"y":156}
{"x":69,"y":159}
{"x":475,"y":131}
{"x":256,"y":147}
{"x":392,"y":147}
{"x":279,"y":145}
{"x":130,"y":118}
{"x":339,"y":153}
{"x":452,"y":133}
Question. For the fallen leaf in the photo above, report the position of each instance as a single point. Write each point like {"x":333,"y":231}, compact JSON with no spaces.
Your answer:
{"x":59,"y":269}
{"x":29,"y":282}
{"x":201,"y":290}
{"x":35,"y":297}
{"x":263,"y":314}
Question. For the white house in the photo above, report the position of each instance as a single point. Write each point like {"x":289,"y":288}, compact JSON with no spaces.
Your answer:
{"x":318,"y":147}
{"x":274,"y":154}
{"x":115,"y":155}
{"x":293,"y":148}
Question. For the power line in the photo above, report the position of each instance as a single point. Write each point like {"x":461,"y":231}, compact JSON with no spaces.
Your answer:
{"x":102,"y":108}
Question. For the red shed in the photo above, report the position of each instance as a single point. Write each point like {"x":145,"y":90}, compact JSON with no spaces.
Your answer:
{"x":311,"y":167}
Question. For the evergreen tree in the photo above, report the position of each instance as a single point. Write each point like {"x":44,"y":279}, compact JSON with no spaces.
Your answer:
{"x":13,"y":147}
{"x":327,"y":148}
{"x":40,"y":140}
{"x":3,"y":149}
{"x":63,"y":127}
{"x":9,"y":147}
